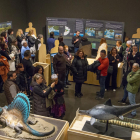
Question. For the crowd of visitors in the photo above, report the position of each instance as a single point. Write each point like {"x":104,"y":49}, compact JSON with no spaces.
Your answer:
{"x":17,"y":72}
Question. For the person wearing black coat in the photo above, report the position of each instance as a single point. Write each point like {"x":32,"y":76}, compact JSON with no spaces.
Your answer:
{"x":135,"y":55}
{"x":61,"y":43}
{"x":119,"y":48}
{"x":21,"y":79}
{"x":124,"y":82}
{"x":114,"y":59}
{"x":40,"y":93}
{"x":79,"y":65}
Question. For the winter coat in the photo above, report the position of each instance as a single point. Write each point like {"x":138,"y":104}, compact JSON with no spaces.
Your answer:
{"x":59,"y":64}
{"x":4,"y":69}
{"x":39,"y":98}
{"x":79,"y":69}
{"x":94,"y":68}
{"x":104,"y":66}
{"x":136,"y":57}
{"x":21,"y":81}
{"x":120,"y":52}
{"x":31,"y":41}
{"x":19,"y":40}
{"x":133,"y":80}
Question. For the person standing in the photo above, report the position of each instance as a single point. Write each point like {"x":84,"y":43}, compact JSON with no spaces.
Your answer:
{"x":50,"y":42}
{"x":124,"y":83}
{"x":68,"y":58}
{"x":21,"y":79}
{"x":114,"y":59}
{"x":76,"y":40}
{"x":79,"y":65}
{"x":134,"y":55}
{"x":119,"y":49}
{"x":103,"y":68}
{"x":124,"y":45}
{"x":133,"y":80}
{"x":38,"y":42}
{"x":20,"y":37}
{"x":10,"y":87}
{"x":24,"y":48}
{"x":40,"y":93}
{"x":61,"y":43}
{"x":10,"y":38}
{"x":59,"y":64}
{"x":28,"y":68}
{"x":103,"y":46}
{"x":126,"y":55}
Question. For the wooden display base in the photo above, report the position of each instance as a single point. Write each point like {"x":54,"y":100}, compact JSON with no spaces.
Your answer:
{"x":75,"y":131}
{"x":61,"y":134}
{"x":92,"y":77}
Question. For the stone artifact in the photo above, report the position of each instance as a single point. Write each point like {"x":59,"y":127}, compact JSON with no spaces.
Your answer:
{"x":108,"y":111}
{"x":16,"y":116}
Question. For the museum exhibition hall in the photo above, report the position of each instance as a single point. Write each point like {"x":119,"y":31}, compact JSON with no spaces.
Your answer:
{"x":69,"y":70}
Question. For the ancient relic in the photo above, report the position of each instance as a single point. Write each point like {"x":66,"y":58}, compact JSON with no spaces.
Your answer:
{"x":16,"y":116}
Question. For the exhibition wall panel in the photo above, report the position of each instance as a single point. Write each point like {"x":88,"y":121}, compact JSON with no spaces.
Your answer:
{"x":121,"y":11}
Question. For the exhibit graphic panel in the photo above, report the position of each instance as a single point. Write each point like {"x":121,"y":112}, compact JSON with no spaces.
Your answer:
{"x":4,"y":26}
{"x":94,"y":30}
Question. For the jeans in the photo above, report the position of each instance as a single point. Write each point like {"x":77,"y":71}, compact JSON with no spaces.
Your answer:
{"x":75,"y":49}
{"x":66,"y":77}
{"x":125,"y":95}
{"x":78,"y":87}
{"x":102,"y":85}
{"x":131,"y":97}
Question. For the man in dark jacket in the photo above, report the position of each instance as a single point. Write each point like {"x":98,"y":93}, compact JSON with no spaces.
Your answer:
{"x":28,"y":68}
{"x":76,"y":40}
{"x":59,"y":64}
{"x":38,"y":42}
{"x":135,"y":55}
{"x":10,"y":87}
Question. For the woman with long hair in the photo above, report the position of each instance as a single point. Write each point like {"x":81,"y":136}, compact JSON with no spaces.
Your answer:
{"x":21,"y":79}
{"x":114,"y":59}
{"x":103,"y":46}
{"x":20,"y":37}
{"x":61,"y":43}
{"x":79,"y":65}
{"x":31,"y":41}
{"x":15,"y":51}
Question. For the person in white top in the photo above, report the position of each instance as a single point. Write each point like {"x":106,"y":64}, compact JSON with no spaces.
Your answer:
{"x":103,"y":46}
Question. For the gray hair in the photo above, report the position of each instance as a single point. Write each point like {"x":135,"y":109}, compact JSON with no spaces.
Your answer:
{"x":54,"y":76}
{"x":136,"y":64}
{"x":40,"y":36}
{"x":22,"y":43}
{"x":37,"y":76}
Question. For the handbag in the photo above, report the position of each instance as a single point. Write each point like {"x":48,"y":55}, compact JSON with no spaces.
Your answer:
{"x":110,"y":70}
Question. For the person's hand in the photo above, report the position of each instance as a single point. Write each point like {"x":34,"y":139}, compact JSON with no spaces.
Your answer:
{"x":117,"y":59}
{"x":77,"y":40}
{"x":44,"y":91}
{"x":13,"y":58}
{"x":62,"y":90}
{"x":52,"y":85}
{"x":113,"y":61}
{"x":128,"y":52}
{"x":57,"y":74}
